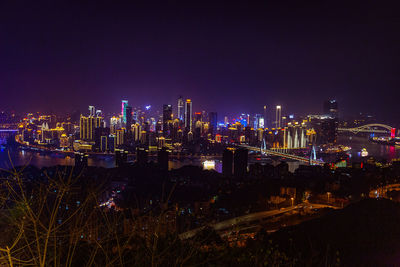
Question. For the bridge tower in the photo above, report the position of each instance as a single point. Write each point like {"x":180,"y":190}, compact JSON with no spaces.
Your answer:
{"x":263,"y":147}
{"x":313,"y":155}
{"x":303,"y":139}
{"x":393,"y":133}
{"x":296,"y":140}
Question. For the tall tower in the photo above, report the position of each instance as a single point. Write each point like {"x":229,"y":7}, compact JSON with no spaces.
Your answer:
{"x":188,"y":115}
{"x":88,"y":124}
{"x":181,"y":108}
{"x":92,"y":111}
{"x":265,"y":116}
{"x":124,"y":104}
{"x":331,"y":108}
{"x":167,"y":118}
{"x":213,"y":122}
{"x":278,"y":117}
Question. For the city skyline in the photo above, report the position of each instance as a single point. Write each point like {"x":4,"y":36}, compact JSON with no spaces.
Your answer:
{"x":223,"y":57}
{"x":199,"y":133}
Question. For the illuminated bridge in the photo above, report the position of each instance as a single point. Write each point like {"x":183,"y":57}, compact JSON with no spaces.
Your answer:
{"x":370,"y":128}
{"x":284,"y":155}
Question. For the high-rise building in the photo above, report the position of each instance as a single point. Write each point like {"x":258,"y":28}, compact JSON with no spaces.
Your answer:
{"x":87,"y":127}
{"x":136,"y":130}
{"x":328,"y":132}
{"x":240,"y":160}
{"x":88,"y":124}
{"x":115,"y":123}
{"x":181,"y":109}
{"x":112,"y":142}
{"x":160,"y":142}
{"x":331,"y":108}
{"x":278,"y":117}
{"x":213,"y":120}
{"x":326,"y":129}
{"x":167,"y":119}
{"x":92,"y":111}
{"x":258,"y":121}
{"x":120,"y":137}
{"x":103,"y":143}
{"x":188,"y":115}
{"x":128,"y":111}
{"x":265,"y":116}
{"x":226,"y":121}
{"x":197,"y":116}
{"x":204,"y":116}
{"x":124,"y":104}
{"x":99,"y":113}
{"x":98,"y":134}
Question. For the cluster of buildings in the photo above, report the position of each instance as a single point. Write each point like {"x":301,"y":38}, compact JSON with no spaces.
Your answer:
{"x":177,"y":129}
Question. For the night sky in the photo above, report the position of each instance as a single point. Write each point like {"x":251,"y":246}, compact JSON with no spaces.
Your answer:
{"x":230,"y":58}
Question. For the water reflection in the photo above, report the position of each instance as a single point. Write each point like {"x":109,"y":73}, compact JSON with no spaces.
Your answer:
{"x":10,"y":157}
{"x":375,"y":150}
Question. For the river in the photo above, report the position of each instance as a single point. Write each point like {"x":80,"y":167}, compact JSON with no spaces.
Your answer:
{"x":18,"y":157}
{"x":378,"y":151}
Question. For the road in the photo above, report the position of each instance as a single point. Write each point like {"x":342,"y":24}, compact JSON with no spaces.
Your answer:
{"x":253,"y":217}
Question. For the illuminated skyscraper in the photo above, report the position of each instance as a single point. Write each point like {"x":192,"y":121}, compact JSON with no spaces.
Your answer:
{"x":226,"y":121}
{"x":188,"y":115}
{"x":167,"y":118}
{"x":181,"y":109}
{"x":92,"y":111}
{"x":265,"y":116}
{"x":89,"y":124}
{"x":197,"y":116}
{"x":115,"y":123}
{"x":99,"y":113}
{"x":258,"y":121}
{"x":278,"y":116}
{"x":136,"y":130}
{"x":103,"y":143}
{"x":213,"y":122}
{"x":85,"y":127}
{"x":120,"y":136}
{"x":112,"y":142}
{"x":124,"y":104}
{"x":331,"y":108}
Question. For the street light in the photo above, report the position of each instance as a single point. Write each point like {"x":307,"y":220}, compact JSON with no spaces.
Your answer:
{"x":292,"y":199}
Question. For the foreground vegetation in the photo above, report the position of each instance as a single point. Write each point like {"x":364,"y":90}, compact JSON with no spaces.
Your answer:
{"x":56,"y":220}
